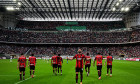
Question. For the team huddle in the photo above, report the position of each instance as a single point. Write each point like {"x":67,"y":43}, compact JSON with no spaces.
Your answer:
{"x":56,"y":62}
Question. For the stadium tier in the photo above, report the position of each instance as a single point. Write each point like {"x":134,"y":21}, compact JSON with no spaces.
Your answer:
{"x":51,"y":26}
{"x":69,"y":37}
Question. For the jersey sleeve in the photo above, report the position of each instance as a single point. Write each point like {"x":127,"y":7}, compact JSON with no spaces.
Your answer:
{"x":83,"y":56}
{"x":95,"y":58}
{"x":102,"y":57}
{"x":29,"y":59}
{"x":74,"y":57}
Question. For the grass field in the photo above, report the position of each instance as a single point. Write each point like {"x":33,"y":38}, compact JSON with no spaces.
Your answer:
{"x":124,"y":72}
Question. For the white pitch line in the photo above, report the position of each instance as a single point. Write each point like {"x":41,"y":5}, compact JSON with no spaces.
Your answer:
{"x":23,"y":80}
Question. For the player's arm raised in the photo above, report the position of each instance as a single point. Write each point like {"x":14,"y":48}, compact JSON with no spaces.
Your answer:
{"x":72,"y":58}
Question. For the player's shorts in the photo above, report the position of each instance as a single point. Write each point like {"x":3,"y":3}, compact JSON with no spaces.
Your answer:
{"x":21,"y":69}
{"x":109,"y":66}
{"x":79,"y":70}
{"x":99,"y":67}
{"x":32,"y":67}
{"x":87,"y":66}
{"x":59,"y":66}
{"x":55,"y":65}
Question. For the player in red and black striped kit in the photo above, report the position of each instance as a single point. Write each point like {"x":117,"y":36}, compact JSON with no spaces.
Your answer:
{"x":54,"y":63}
{"x":79,"y":64}
{"x":60,"y":61}
{"x":99,"y":59}
{"x":88,"y":63}
{"x":21,"y":65}
{"x":31,"y":63}
{"x":109,"y":60}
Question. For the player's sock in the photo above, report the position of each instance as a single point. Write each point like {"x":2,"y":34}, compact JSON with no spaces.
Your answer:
{"x":58,"y":70}
{"x":30,"y":73}
{"x":86,"y":70}
{"x":33,"y":74}
{"x":20,"y":76}
{"x":107,"y":70}
{"x":76,"y":78}
{"x":99,"y":73}
{"x":23,"y":75}
{"x":61,"y":72}
{"x":110,"y":72}
{"x":81,"y":76}
{"x":53,"y":70}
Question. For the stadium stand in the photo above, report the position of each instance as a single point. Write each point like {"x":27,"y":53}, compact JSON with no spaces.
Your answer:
{"x":69,"y":37}
{"x":51,"y":26}
{"x":130,"y":50}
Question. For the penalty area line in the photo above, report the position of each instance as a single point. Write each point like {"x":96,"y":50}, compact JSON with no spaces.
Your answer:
{"x":23,"y":80}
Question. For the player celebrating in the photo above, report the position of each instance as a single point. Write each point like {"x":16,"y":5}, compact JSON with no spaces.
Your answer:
{"x":21,"y":65}
{"x":31,"y":63}
{"x":109,"y":60}
{"x":54,"y":62}
{"x":60,"y":61}
{"x":79,"y":64}
{"x":88,"y":63}
{"x":99,"y":59}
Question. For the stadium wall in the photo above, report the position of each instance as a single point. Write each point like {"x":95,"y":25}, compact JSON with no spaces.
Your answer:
{"x":132,"y":19}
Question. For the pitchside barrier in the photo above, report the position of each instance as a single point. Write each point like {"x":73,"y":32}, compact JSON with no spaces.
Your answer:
{"x":133,"y":59}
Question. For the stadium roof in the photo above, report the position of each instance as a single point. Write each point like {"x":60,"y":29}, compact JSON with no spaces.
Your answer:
{"x":71,"y":9}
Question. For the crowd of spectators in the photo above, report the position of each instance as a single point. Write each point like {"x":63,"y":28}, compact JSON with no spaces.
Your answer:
{"x":69,"y":37}
{"x":129,"y":50}
{"x":39,"y":25}
{"x":93,"y":26}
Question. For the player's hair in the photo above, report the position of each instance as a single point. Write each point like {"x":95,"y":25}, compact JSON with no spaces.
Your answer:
{"x":98,"y":53}
{"x":21,"y":53}
{"x":54,"y":53}
{"x":32,"y":54}
{"x":109,"y":53}
{"x":87,"y":53}
{"x":79,"y":51}
{"x":58,"y":54}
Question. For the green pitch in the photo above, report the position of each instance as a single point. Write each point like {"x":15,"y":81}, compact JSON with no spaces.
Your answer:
{"x":124,"y":72}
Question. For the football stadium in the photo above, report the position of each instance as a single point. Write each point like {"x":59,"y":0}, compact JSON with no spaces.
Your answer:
{"x":69,"y":41}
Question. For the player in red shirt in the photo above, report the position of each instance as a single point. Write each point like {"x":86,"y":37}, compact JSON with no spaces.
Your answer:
{"x":88,"y":63}
{"x":99,"y":59}
{"x":79,"y":64}
{"x":60,"y":61}
{"x":109,"y":60}
{"x":21,"y":65}
{"x":31,"y":63}
{"x":54,"y":63}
